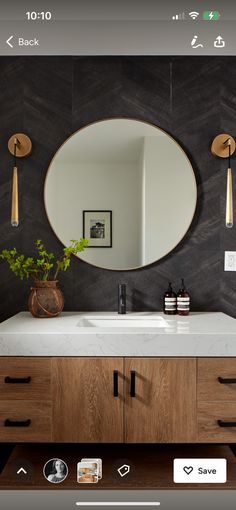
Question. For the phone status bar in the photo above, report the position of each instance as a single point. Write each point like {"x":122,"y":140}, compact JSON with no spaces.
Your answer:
{"x":82,"y":10}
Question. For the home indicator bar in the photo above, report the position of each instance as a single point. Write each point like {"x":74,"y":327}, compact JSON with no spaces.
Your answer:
{"x":118,"y":503}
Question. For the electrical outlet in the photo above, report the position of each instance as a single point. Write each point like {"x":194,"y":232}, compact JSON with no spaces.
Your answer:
{"x":230,"y":260}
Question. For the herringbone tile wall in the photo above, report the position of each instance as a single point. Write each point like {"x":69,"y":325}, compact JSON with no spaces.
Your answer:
{"x":50,"y":97}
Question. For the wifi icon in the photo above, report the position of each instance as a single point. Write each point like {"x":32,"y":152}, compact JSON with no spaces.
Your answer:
{"x":194,"y":14}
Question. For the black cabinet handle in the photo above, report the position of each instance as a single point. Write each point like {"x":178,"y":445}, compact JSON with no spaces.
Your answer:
{"x":13,"y":423}
{"x":17,"y":380}
{"x":132,"y":383}
{"x":115,"y":383}
{"x":226,"y":423}
{"x":226,"y":381}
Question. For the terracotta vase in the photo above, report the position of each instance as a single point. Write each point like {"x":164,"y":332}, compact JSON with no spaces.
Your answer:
{"x":46,"y":299}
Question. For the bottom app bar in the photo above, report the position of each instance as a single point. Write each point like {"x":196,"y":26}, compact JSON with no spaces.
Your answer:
{"x":169,"y":500}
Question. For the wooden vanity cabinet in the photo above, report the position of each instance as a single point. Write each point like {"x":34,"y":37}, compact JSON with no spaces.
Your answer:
{"x":116,"y":400}
{"x":136,"y":400}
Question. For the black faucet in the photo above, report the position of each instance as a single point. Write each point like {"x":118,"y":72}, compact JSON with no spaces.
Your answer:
{"x":122,"y":298}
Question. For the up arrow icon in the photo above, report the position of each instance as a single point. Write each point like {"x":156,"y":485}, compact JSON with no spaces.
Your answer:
{"x":219,"y":42}
{"x":21,"y":470}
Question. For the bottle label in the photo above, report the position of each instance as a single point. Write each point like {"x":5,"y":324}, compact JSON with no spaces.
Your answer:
{"x":183,"y":304}
{"x":170,"y":304}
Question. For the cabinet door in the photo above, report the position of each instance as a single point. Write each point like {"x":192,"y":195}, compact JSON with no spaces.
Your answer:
{"x":25,"y":378}
{"x":160,"y":400}
{"x":25,"y":399}
{"x":217,"y":422}
{"x":86,"y":406}
{"x":216,"y":395}
{"x":216,"y":379}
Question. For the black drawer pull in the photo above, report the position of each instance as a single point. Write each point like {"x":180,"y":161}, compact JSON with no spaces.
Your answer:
{"x":226,"y":381}
{"x":11,"y":423}
{"x":115,"y":384}
{"x":226,"y":423}
{"x":17,"y":380}
{"x":132,"y":383}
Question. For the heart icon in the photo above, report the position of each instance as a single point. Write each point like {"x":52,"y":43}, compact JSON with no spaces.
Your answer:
{"x":188,"y":469}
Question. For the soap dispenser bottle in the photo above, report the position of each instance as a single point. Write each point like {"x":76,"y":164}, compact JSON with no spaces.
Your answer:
{"x":183,"y":300}
{"x":169,"y":305}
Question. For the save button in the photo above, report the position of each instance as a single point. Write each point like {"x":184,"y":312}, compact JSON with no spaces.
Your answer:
{"x":200,"y":470}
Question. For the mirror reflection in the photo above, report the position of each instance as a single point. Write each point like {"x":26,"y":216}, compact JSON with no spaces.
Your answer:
{"x":127,"y":186}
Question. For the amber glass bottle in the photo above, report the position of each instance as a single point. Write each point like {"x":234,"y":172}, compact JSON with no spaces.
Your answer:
{"x":183,"y":300}
{"x":169,"y":301}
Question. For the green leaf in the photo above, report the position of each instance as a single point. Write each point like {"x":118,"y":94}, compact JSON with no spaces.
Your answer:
{"x":41,"y":266}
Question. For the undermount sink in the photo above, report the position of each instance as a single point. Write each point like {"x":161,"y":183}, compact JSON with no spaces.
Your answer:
{"x":117,"y":321}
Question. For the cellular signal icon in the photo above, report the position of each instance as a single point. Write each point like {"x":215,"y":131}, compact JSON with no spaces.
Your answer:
{"x":194,"y":15}
{"x":179,"y":17}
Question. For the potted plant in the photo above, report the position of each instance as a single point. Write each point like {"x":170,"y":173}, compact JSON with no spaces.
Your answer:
{"x":46,"y":298}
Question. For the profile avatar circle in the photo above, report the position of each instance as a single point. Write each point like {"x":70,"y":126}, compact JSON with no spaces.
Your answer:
{"x":55,"y":470}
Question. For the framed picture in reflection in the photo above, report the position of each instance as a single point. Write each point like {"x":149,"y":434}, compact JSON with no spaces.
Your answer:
{"x":97,"y":228}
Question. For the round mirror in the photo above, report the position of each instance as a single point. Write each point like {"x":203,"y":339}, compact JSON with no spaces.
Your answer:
{"x":125,"y":185}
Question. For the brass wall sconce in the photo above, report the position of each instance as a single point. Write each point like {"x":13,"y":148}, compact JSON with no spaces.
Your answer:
{"x":19,"y":146}
{"x":223,"y":146}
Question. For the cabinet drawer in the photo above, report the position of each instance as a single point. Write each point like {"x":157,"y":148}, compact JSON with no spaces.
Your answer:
{"x":209,"y":387}
{"x":25,"y":378}
{"x":25,"y":421}
{"x":209,"y":429}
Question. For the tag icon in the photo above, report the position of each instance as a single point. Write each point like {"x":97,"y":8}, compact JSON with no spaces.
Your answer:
{"x":123,"y":470}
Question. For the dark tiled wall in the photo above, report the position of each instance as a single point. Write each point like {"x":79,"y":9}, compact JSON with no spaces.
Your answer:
{"x":49,"y":98}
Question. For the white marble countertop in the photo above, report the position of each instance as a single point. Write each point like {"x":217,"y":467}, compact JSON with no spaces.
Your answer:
{"x":199,"y":334}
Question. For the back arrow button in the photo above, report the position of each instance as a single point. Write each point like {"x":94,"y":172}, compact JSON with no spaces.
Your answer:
{"x":8,"y":41}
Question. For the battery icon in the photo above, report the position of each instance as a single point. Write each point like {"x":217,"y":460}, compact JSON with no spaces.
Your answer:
{"x":211,"y":15}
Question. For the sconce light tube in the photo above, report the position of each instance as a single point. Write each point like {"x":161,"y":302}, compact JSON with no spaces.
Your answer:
{"x":224,"y":146}
{"x":229,"y":213}
{"x":15,"y":201}
{"x":19,"y":146}
{"x":229,"y":200}
{"x":14,"y":198}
